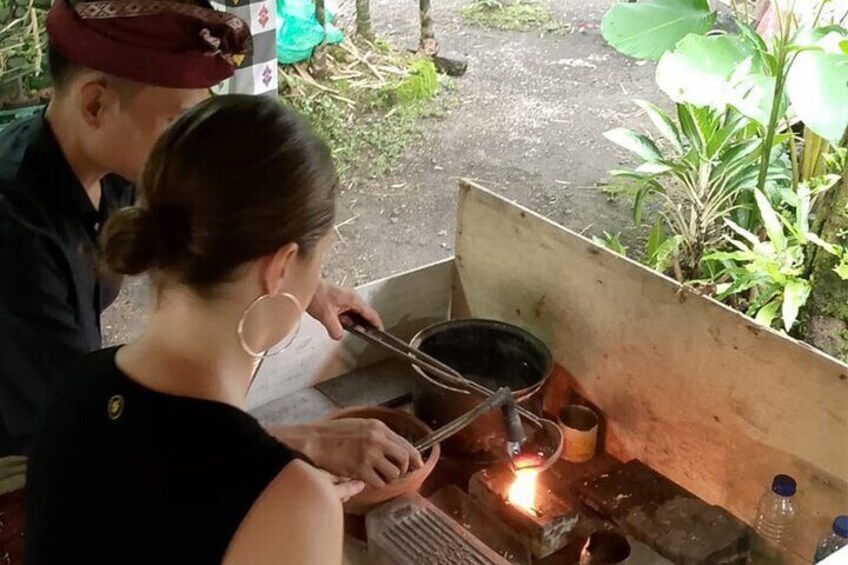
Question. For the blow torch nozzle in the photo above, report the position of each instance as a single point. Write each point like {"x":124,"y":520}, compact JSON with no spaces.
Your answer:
{"x":515,"y":436}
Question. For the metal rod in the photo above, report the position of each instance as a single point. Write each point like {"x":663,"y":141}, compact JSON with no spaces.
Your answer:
{"x":361,"y":328}
{"x":364,"y":330}
{"x":375,"y":336}
{"x":531,"y":417}
{"x":431,"y":361}
{"x":498,"y":399}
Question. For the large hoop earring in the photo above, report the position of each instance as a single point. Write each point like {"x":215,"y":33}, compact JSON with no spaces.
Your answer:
{"x":291,"y":336}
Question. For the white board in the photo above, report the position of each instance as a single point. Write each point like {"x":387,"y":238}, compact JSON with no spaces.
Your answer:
{"x":407,"y":303}
{"x":697,"y":391}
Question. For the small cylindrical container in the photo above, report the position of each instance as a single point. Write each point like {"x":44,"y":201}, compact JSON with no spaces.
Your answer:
{"x":580,"y":433}
{"x":777,"y":514}
{"x":834,"y":541}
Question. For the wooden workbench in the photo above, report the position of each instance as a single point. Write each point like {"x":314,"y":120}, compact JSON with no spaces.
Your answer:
{"x":697,"y":391}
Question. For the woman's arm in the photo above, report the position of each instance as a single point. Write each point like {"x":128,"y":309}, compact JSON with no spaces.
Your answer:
{"x":297,"y":520}
{"x":353,"y":447}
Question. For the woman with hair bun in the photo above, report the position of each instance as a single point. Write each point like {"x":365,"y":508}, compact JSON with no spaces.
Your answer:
{"x":149,"y":455}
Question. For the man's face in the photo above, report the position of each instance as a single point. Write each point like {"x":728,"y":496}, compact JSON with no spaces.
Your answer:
{"x":132,"y":123}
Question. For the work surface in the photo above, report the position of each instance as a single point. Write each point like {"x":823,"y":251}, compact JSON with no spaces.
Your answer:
{"x":696,"y":391}
{"x":389,"y":383}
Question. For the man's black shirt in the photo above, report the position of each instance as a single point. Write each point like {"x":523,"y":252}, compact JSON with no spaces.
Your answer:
{"x":51,"y":295}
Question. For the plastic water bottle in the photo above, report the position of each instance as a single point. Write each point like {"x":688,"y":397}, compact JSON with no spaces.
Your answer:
{"x":834,"y":541}
{"x":777,"y":512}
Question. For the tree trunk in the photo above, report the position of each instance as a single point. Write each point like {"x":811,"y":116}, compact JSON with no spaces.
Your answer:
{"x":827,"y":308}
{"x":319,"y":54}
{"x":428,"y":44}
{"x":363,"y":19}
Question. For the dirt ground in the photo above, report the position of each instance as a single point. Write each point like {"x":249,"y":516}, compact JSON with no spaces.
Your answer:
{"x":532,"y":108}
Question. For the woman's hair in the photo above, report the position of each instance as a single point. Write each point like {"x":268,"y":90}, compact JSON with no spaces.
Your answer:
{"x":232,"y":180}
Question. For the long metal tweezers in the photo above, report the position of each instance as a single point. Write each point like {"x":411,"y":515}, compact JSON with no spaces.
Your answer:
{"x":449,"y":377}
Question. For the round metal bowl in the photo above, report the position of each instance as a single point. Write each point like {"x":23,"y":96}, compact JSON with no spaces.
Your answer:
{"x":492,"y":353}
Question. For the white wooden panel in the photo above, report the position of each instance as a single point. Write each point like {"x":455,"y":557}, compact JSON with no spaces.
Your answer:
{"x":694,"y":389}
{"x":407,"y":303}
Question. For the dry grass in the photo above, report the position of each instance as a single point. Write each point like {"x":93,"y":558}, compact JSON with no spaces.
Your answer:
{"x":22,"y":46}
{"x":371,"y":104}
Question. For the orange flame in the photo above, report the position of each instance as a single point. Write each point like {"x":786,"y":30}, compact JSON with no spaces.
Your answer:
{"x":522,"y":492}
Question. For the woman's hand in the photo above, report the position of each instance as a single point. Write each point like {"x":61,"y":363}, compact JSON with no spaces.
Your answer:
{"x":331,"y":301}
{"x":357,"y":448}
{"x":345,"y":489}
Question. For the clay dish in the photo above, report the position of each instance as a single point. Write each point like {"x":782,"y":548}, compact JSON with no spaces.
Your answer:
{"x":406,"y":425}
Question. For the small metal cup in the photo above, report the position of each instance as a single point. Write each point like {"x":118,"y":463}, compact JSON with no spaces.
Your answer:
{"x":580,"y":432}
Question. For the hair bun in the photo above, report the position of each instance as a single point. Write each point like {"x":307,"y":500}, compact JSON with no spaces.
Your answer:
{"x":129,"y":241}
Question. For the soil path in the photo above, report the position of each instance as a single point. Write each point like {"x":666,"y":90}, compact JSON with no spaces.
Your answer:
{"x":532,"y":108}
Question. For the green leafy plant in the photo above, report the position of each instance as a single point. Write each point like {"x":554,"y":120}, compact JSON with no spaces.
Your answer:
{"x":747,"y":202}
{"x":519,"y":15}
{"x":369,"y":124}
{"x":647,"y":29}
{"x":709,"y":165}
{"x":23,"y":42}
{"x":662,"y":251}
{"x":804,"y":69}
{"x":769,"y":272}
{"x":421,"y":84}
{"x":611,"y":242}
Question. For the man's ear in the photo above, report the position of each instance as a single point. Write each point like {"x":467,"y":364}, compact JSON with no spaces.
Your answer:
{"x":95,"y":99}
{"x":277,"y":267}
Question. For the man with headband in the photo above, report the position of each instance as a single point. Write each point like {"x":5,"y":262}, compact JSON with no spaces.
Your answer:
{"x":123,"y":70}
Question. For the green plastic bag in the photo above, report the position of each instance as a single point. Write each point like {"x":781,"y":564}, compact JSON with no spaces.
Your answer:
{"x":298,"y":31}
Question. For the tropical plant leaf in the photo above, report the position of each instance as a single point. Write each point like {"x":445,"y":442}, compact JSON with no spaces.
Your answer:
{"x":771,"y":222}
{"x":729,"y":256}
{"x":817,"y":86}
{"x":763,"y":297}
{"x":795,"y":295}
{"x":768,"y":313}
{"x":725,"y":134}
{"x":611,"y":242}
{"x":753,"y":95}
{"x":647,"y":29}
{"x":653,"y":168}
{"x":748,"y":236}
{"x":842,"y":269}
{"x":739,"y":154}
{"x":664,"y":124}
{"x":655,"y":239}
{"x":645,"y":188}
{"x":831,"y":248}
{"x":742,"y":282}
{"x":628,"y":174}
{"x":699,"y":69}
{"x":754,"y":40}
{"x":721,"y":288}
{"x":708,"y":120}
{"x":666,"y":253}
{"x":825,"y":38}
{"x":691,"y":129}
{"x":637,"y":143}
{"x":712,"y":269}
{"x":802,"y":210}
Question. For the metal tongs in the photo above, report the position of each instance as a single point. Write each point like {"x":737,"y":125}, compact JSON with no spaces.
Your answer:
{"x":452,"y":379}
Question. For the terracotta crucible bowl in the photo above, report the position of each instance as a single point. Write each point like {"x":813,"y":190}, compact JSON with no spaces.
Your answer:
{"x":404,"y":424}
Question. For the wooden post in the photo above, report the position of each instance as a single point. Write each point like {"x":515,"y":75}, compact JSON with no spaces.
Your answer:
{"x":319,"y":54}
{"x":428,"y":44}
{"x":363,"y":19}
